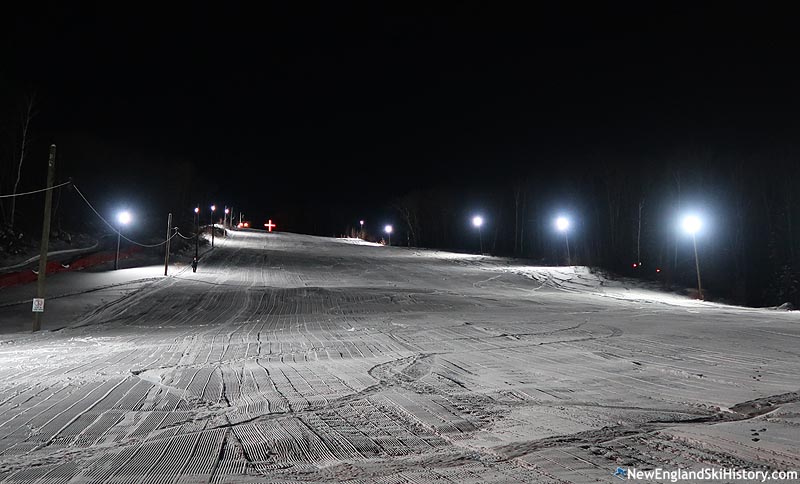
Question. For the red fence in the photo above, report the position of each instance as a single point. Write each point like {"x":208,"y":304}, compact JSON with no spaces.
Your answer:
{"x":24,"y":277}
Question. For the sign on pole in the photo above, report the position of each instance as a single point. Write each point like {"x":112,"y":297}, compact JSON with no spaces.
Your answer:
{"x":38,"y":305}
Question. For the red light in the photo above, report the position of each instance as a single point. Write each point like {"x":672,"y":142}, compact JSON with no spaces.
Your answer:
{"x":246,"y":224}
{"x":658,"y":270}
{"x":270,"y":225}
{"x":635,"y":265}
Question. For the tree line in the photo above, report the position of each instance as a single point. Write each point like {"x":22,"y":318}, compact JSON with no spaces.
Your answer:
{"x":627,"y":212}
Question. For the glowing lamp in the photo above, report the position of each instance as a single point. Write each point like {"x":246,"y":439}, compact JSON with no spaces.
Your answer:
{"x":124,"y":217}
{"x":213,"y":207}
{"x":196,"y":209}
{"x":562,"y":224}
{"x":388,"y":229}
{"x":269,"y":225}
{"x":477,"y":221}
{"x":691,"y":224}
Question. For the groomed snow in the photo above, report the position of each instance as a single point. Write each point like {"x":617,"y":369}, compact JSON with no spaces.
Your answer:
{"x":291,"y":358}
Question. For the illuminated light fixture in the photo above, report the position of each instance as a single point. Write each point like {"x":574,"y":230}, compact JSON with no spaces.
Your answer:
{"x":269,"y":225}
{"x":562,"y":224}
{"x":691,"y":224}
{"x":213,"y":208}
{"x":196,"y":209}
{"x":124,"y":217}
{"x":477,"y":221}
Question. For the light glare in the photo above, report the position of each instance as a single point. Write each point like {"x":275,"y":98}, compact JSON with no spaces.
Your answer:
{"x":477,"y":220}
{"x":124,"y":217}
{"x":388,"y":229}
{"x":562,"y":224}
{"x":692,"y":224}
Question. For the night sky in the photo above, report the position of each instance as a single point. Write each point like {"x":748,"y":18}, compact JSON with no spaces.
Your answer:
{"x":357,"y":103}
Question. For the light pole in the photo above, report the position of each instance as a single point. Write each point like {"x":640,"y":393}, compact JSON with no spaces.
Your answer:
{"x":692,"y":224}
{"x":213,"y":208}
{"x":388,"y":229}
{"x":562,"y":225}
{"x":361,"y":222}
{"x":123,"y":218}
{"x":196,"y":230}
{"x":225,"y":219}
{"x":477,"y":221}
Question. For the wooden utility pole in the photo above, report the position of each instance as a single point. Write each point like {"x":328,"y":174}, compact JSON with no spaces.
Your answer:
{"x":166,"y":252}
{"x":639,"y":236}
{"x":48,"y":200}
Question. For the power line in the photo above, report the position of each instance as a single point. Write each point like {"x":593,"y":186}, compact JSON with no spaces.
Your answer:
{"x":35,"y":191}
{"x":115,"y":230}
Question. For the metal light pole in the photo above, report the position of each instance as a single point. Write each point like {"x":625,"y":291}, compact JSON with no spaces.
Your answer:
{"x":562,"y":224}
{"x":213,"y":207}
{"x":196,"y":230}
{"x":362,"y":228}
{"x":388,"y":229}
{"x":697,"y":267}
{"x":692,"y":224}
{"x":123,"y":218}
{"x":477,"y":221}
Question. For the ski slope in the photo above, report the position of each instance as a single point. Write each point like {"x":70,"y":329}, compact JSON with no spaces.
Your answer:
{"x":291,"y":358}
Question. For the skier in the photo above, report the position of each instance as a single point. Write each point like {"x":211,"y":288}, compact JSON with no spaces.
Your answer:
{"x":194,"y":264}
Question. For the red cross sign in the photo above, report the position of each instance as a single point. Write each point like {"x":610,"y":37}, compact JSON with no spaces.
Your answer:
{"x":270,"y":225}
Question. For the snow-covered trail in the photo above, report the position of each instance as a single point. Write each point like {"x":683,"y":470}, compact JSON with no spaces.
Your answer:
{"x":296,"y":358}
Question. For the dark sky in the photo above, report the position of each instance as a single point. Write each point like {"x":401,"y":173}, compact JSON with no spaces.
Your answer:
{"x":363,"y":101}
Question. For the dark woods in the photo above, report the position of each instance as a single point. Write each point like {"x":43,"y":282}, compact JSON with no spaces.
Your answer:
{"x":626,"y":213}
{"x":624,"y":209}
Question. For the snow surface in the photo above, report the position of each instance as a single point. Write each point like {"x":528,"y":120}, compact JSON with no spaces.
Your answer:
{"x":291,"y":358}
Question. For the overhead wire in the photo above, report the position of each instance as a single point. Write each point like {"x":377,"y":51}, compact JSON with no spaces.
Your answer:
{"x":115,"y":230}
{"x":35,"y":191}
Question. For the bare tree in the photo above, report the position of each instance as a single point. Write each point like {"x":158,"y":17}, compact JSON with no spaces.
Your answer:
{"x":27,"y":116}
{"x":408,"y":207}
